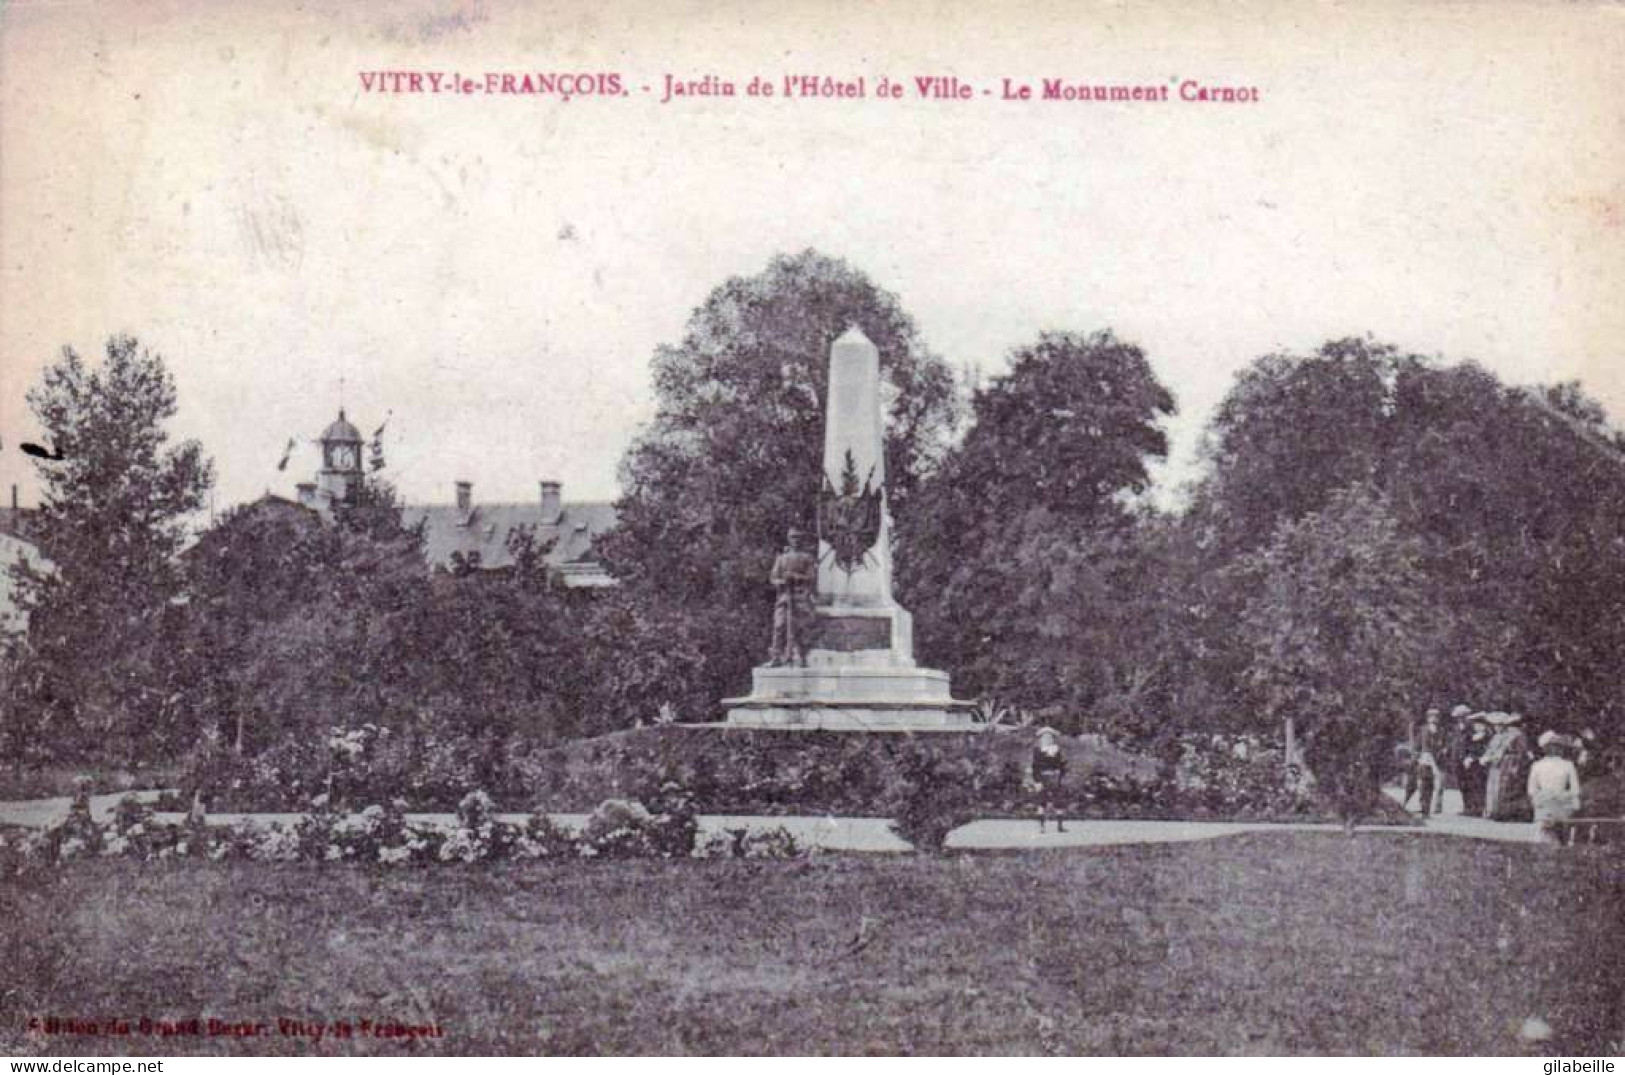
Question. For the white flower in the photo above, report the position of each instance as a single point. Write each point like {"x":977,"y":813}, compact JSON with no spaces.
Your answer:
{"x":116,"y":845}
{"x":277,"y":845}
{"x":716,"y":845}
{"x":334,"y":853}
{"x":71,"y":847}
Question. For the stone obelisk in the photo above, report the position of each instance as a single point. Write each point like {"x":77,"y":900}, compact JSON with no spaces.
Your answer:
{"x":854,"y":442}
{"x":860,"y":673}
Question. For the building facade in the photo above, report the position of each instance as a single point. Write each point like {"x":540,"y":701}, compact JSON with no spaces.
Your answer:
{"x":465,"y":535}
{"x":19,"y":541}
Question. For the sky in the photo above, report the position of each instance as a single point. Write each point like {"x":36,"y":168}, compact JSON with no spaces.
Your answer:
{"x":493,"y":273}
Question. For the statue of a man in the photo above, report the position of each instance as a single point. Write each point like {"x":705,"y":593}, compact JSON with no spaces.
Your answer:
{"x":794,"y":573}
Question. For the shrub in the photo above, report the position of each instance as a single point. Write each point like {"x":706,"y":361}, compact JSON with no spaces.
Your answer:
{"x":196,"y":839}
{"x":76,"y":835}
{"x":935,"y":802}
{"x":131,"y":831}
{"x":478,"y":835}
{"x":275,"y":843}
{"x":237,"y":843}
{"x":775,"y":843}
{"x":19,"y":852}
{"x":613,"y":815}
{"x":317,"y":831}
{"x":352,"y":765}
{"x":542,"y":839}
{"x":1235,"y":776}
{"x":625,"y":828}
{"x":675,"y":824}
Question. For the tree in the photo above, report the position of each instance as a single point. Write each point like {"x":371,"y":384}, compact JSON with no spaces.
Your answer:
{"x":1293,"y":430}
{"x":298,"y":623}
{"x":733,"y":458}
{"x":279,"y":602}
{"x":1339,"y":629}
{"x":1022,"y":543}
{"x":1520,"y":497}
{"x":96,"y":676}
{"x":1515,"y":495}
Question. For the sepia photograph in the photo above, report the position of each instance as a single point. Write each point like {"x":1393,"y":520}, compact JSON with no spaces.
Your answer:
{"x":818,"y":529}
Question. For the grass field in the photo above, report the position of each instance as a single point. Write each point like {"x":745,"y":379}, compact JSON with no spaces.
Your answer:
{"x":1277,"y":943}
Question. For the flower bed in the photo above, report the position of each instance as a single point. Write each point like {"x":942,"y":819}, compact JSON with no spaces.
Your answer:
{"x":728,"y":770}
{"x":770,"y":772}
{"x":383,"y":836}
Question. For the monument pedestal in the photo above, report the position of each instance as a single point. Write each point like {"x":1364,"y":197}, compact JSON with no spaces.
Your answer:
{"x":853,"y":698}
{"x":860,"y":676}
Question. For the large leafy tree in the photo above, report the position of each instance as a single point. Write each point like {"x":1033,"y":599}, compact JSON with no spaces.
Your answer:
{"x":1023,"y":570}
{"x":96,"y":675}
{"x":1520,"y":496}
{"x":288,"y":617}
{"x":300,"y":625}
{"x":733,"y":457}
{"x":1338,"y":629}
{"x":1514,"y":495}
{"x":1293,"y":430}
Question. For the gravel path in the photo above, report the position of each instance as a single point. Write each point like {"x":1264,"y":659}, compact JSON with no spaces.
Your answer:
{"x":874,"y":833}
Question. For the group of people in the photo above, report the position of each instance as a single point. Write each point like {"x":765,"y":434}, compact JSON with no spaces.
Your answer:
{"x":1486,"y":755}
{"x":1489,"y":758}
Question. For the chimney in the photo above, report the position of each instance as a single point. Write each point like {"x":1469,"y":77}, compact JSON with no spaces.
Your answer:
{"x":465,"y":497}
{"x":552,"y":503}
{"x":307,"y":493}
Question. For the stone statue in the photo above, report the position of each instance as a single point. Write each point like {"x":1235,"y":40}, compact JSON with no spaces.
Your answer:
{"x":795,"y":571}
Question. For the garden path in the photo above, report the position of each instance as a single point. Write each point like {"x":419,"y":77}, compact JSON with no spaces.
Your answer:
{"x":874,"y":833}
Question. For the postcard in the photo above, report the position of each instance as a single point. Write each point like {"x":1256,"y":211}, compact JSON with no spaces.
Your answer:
{"x":811,"y":529}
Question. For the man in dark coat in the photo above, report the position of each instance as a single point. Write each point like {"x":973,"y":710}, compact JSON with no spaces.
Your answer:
{"x":1429,"y":744}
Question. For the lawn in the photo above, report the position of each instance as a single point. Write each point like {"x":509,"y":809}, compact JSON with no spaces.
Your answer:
{"x":1272,"y":943}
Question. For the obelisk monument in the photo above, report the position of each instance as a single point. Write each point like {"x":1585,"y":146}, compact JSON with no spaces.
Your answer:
{"x":859,"y":673}
{"x":854,"y":443}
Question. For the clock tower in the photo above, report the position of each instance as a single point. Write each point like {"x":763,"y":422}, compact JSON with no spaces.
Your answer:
{"x":340,"y":476}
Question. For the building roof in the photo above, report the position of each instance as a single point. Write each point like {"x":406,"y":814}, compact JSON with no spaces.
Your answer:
{"x":484,"y":530}
{"x":341,"y":430}
{"x":20,"y":523}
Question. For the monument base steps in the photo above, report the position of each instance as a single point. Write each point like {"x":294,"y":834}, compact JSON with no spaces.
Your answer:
{"x":858,"y":696}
